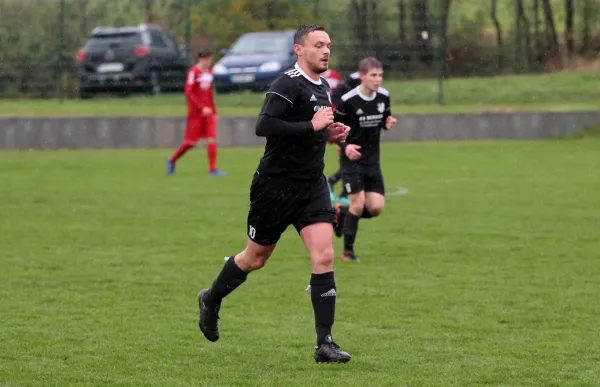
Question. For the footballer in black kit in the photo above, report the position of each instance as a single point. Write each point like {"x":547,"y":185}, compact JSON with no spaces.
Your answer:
{"x":290,"y":174}
{"x":366,"y":109}
{"x":289,"y":188}
{"x":350,"y":82}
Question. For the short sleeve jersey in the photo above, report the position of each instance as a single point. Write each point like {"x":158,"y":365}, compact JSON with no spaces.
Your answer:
{"x":201,"y":87}
{"x":298,"y":156}
{"x":366,"y":118}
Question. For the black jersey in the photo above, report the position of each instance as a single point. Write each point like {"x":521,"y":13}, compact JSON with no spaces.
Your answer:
{"x":349,"y":83}
{"x":294,"y":149}
{"x":366,"y":117}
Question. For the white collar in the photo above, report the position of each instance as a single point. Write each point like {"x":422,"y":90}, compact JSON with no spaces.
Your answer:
{"x":361,"y":95}
{"x":306,"y":76}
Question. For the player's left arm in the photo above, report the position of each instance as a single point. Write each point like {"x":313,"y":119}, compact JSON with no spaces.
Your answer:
{"x":388,"y":119}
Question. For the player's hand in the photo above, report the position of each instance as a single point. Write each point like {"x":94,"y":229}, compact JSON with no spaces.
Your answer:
{"x":322,"y":118}
{"x":390,"y":122}
{"x":352,"y":151}
{"x":337,"y":132}
{"x":206,"y":111}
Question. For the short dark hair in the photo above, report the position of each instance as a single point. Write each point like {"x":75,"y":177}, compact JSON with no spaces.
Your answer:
{"x":304,"y":30}
{"x":204,"y":53}
{"x":368,"y":64}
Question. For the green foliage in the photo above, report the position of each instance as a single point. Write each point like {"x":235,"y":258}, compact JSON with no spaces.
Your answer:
{"x":226,"y":20}
{"x":32,"y":56}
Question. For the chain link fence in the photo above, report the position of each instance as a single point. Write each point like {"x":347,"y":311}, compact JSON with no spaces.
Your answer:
{"x":39,"y":39}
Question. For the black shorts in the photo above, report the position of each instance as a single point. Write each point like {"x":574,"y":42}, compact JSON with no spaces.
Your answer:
{"x":359,"y":177}
{"x":277,"y":202}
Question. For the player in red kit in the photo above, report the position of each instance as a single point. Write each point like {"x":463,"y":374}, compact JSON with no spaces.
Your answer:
{"x":334,"y":79}
{"x":202,"y":114}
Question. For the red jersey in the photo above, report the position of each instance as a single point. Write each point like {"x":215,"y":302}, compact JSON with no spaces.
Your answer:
{"x":333,"y":78}
{"x":199,"y":90}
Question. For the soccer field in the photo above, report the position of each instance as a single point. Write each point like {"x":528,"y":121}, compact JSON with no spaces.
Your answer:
{"x":483,"y":270}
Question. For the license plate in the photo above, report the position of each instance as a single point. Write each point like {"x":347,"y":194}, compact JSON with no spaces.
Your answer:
{"x":242,"y":78}
{"x":110,"y":67}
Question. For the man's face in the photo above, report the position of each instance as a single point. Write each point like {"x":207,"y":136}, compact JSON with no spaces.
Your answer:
{"x":315,"y":51}
{"x":206,"y":62}
{"x":372,"y":78}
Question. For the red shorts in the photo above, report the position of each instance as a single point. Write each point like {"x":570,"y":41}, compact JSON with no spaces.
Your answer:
{"x":199,"y":127}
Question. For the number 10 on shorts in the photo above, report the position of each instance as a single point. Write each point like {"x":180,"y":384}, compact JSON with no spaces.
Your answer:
{"x":251,"y":232}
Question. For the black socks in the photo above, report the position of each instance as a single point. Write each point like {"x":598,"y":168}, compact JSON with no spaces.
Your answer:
{"x":350,"y":230}
{"x":230,"y":277}
{"x":323,"y":296}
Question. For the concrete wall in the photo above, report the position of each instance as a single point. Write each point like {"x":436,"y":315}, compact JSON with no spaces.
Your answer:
{"x":161,"y":132}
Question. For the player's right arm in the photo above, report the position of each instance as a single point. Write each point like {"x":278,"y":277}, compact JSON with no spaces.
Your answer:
{"x":272,"y":118}
{"x":341,"y":115}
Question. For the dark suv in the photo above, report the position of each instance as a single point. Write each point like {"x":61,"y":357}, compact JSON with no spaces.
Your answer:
{"x":124,"y":59}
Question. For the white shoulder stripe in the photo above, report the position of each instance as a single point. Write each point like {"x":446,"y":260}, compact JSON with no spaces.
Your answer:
{"x":383,"y":91}
{"x":355,"y":75}
{"x":272,"y":92}
{"x":350,"y":94}
{"x":341,"y":113}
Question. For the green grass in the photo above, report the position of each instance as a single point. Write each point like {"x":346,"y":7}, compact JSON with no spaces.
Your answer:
{"x":566,"y":91}
{"x":484,"y":273}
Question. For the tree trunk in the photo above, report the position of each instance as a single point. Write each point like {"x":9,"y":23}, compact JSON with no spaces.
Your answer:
{"x":585,"y":29}
{"x":374,"y":20}
{"x":569,"y":27}
{"x":364,"y":23}
{"x":522,"y":15}
{"x":420,"y":18}
{"x":83,"y":18}
{"x":148,"y":11}
{"x":420,"y":24}
{"x":536,"y":31}
{"x":499,"y":41}
{"x":402,"y":20}
{"x":551,"y":36}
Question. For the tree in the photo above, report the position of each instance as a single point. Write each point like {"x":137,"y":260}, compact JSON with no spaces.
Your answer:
{"x":402,"y":20}
{"x":569,"y":35}
{"x":527,"y":32}
{"x":551,"y":36}
{"x":499,"y":40}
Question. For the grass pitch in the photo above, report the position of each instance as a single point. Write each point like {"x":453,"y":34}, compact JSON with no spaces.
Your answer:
{"x":483,"y":270}
{"x":554,"y":92}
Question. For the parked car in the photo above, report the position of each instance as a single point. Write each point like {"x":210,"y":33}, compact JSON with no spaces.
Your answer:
{"x":128,"y":59}
{"x":254,"y":60}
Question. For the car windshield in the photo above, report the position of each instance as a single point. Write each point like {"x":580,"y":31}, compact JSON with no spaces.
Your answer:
{"x":261,"y":44}
{"x":123,"y":39}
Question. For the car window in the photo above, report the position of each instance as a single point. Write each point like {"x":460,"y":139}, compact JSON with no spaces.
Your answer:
{"x":104,"y":40}
{"x":261,"y":44}
{"x":157,"y":39}
{"x":171,"y":43}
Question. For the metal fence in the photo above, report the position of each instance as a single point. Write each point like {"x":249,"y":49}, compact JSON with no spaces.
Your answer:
{"x":414,"y":38}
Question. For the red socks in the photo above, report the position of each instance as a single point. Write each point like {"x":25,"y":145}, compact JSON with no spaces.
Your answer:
{"x":212,"y":156}
{"x":211,"y":150}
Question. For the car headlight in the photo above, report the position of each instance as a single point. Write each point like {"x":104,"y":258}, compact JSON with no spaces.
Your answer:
{"x":219,"y":69}
{"x":270,"y":66}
